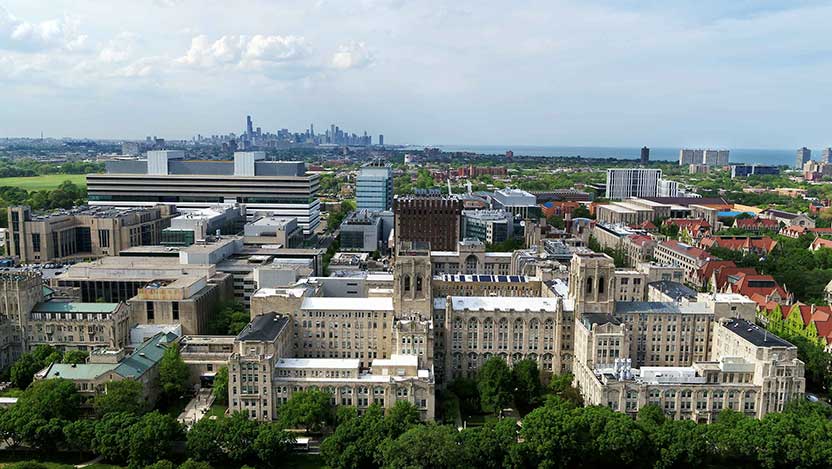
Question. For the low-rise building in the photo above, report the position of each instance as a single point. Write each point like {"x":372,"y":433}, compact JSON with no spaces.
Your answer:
{"x":83,"y":232}
{"x":104,"y":366}
{"x":688,"y":257}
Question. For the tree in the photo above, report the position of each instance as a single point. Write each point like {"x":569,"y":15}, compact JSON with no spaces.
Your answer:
{"x":239,"y":433}
{"x":204,"y":441}
{"x":41,"y":412}
{"x":173,"y":373}
{"x":494,"y":384}
{"x":272,"y":444}
{"x":490,"y":445}
{"x":434,"y":446}
{"x":152,"y":438}
{"x":192,"y":464}
{"x":75,"y":357}
{"x":24,"y":369}
{"x":220,"y":389}
{"x":561,"y":386}
{"x":355,"y":441}
{"x":651,"y":414}
{"x":527,"y":387}
{"x":80,"y":435}
{"x":469,"y":396}
{"x":112,"y":436}
{"x":580,"y":212}
{"x":400,"y":418}
{"x":120,"y":396}
{"x":161,"y":464}
{"x":229,"y":319}
{"x":309,"y":409}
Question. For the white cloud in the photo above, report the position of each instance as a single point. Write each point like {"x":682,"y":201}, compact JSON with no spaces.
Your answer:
{"x":351,"y":55}
{"x":245,"y":52}
{"x":16,"y":34}
{"x":119,"y":49}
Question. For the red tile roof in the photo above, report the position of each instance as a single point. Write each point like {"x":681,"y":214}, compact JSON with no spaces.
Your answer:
{"x":748,"y":284}
{"x":820,"y":243}
{"x":736,"y":243}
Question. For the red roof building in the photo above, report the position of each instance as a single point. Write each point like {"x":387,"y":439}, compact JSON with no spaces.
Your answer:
{"x":819,"y":243}
{"x":748,"y":284}
{"x":757,"y":224}
{"x":744,"y":244}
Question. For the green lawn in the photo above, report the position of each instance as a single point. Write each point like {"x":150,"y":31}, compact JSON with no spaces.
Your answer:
{"x":49,"y":181}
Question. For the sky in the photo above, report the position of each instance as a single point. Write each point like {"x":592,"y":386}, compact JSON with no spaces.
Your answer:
{"x":733,"y":74}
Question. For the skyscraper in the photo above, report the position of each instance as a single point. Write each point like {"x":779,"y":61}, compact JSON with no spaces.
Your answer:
{"x":827,"y":155}
{"x":374,"y":187}
{"x":803,"y":155}
{"x":645,"y":155}
{"x":249,"y":126}
{"x":381,"y":139}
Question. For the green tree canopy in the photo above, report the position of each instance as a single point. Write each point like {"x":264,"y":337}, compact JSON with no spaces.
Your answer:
{"x":527,"y":387}
{"x":152,"y":438}
{"x":120,"y":396}
{"x":220,"y":389}
{"x":495,"y":385}
{"x":173,"y":373}
{"x":309,"y":409}
{"x":41,"y":412}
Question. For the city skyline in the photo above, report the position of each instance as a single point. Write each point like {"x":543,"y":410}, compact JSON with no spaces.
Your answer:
{"x":681,"y":74}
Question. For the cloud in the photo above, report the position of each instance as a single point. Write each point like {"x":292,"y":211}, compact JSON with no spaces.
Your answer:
{"x":25,"y":36}
{"x":244,"y":52}
{"x":351,"y":55}
{"x":119,"y":49}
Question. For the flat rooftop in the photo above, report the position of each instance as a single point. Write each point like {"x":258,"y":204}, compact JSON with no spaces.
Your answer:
{"x":265,"y":327}
{"x":347,"y":304}
{"x":72,"y":307}
{"x":653,"y":307}
{"x":503,"y":303}
{"x":755,"y":334}
{"x":328,"y":363}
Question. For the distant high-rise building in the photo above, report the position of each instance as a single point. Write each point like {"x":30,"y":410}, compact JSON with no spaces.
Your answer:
{"x":708,"y":157}
{"x":130,"y":148}
{"x":645,"y":155}
{"x":249,"y":126}
{"x":624,"y":183}
{"x":803,"y":155}
{"x":381,"y":139}
{"x":374,"y":187}
{"x":827,"y":155}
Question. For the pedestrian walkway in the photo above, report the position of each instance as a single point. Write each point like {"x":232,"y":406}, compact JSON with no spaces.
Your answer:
{"x":197,"y":408}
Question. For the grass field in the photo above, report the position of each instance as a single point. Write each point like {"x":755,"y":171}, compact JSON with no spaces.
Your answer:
{"x":49,"y":181}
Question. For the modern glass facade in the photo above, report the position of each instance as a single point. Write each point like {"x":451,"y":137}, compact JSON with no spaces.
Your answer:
{"x":374,"y":188}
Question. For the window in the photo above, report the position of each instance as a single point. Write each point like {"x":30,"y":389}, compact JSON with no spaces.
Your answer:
{"x":151,"y":313}
{"x":175,"y":311}
{"x":589,"y":284}
{"x":36,"y":242}
{"x":418,"y":283}
{"x":104,"y":238}
{"x":601,"y":284}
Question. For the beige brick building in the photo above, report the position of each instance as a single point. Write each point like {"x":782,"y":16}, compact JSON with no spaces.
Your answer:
{"x":84,"y":232}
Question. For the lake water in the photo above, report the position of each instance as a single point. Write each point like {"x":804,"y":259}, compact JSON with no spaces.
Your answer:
{"x":738,"y":155}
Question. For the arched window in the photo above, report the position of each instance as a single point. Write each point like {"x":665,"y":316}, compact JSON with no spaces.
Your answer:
{"x":471,"y":264}
{"x":601,"y":284}
{"x":589,"y":284}
{"x":419,"y":282}
{"x":406,"y":282}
